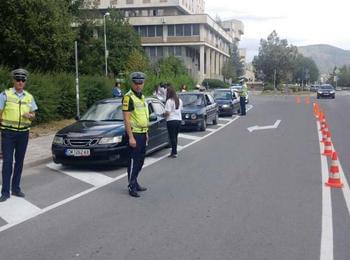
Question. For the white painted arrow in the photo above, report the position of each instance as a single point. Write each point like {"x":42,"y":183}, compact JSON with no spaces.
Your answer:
{"x":256,"y":127}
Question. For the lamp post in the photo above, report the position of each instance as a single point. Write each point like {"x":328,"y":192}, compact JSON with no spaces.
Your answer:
{"x":105,"y":37}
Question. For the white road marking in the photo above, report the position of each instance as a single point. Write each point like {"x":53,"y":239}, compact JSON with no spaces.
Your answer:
{"x":225,"y":119}
{"x":15,"y":209}
{"x":190,"y":137}
{"x":93,"y":178}
{"x":83,"y":193}
{"x":221,"y":125}
{"x":326,"y":250}
{"x":180,"y":147}
{"x":210,"y":129}
{"x":256,"y":127}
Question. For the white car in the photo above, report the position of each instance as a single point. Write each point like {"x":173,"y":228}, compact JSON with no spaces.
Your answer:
{"x":237,"y":88}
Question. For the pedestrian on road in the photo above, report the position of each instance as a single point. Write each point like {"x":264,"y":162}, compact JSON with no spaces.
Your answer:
{"x":136,"y":120}
{"x":116,"y":90}
{"x":173,"y":107}
{"x":243,"y":94}
{"x":17,"y":110}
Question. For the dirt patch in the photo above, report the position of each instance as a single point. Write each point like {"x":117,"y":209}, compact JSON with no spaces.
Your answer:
{"x":49,"y":128}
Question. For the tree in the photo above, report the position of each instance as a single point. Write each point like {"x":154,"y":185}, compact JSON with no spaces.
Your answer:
{"x":305,"y":70}
{"x":276,"y":59}
{"x":36,"y":34}
{"x":137,"y":61}
{"x":344,"y":77}
{"x":233,"y":67}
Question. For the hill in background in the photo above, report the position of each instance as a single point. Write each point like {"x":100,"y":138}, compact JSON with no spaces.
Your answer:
{"x":326,"y":57}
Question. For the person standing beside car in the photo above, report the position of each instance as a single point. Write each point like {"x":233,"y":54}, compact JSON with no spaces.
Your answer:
{"x":116,"y":90}
{"x":17,"y":110}
{"x":136,"y":120}
{"x":173,"y":107}
{"x":242,"y":95}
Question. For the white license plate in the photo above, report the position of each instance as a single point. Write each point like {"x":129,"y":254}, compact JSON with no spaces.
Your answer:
{"x":77,"y":152}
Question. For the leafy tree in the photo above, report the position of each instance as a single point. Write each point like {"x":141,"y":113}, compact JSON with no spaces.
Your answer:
{"x":305,"y":70}
{"x":233,"y":67}
{"x":36,"y":34}
{"x":344,"y":77}
{"x":137,"y":61}
{"x":276,"y":59}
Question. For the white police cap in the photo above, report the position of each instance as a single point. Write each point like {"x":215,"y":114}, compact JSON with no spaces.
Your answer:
{"x":138,"y":77}
{"x":20,"y":74}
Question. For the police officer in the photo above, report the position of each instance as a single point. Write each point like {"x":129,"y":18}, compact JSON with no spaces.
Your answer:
{"x":243,"y":94}
{"x":17,"y":108}
{"x":136,"y":119}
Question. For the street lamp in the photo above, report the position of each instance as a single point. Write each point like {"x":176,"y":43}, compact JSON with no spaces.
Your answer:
{"x":105,"y":37}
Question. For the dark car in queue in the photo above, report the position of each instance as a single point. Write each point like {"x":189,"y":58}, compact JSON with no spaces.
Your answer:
{"x":326,"y":90}
{"x":237,"y":88}
{"x":199,"y":108}
{"x":99,"y":136}
{"x":227,"y":101}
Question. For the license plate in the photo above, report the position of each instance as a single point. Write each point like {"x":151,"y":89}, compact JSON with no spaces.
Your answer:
{"x":182,"y":122}
{"x":77,"y":152}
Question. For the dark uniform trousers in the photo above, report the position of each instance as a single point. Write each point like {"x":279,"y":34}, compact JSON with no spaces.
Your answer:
{"x":136,"y":159}
{"x":13,"y":141}
{"x":242,"y":103}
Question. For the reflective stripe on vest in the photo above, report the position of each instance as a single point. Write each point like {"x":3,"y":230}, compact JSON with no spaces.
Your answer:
{"x":139,"y":117}
{"x":12,"y":115}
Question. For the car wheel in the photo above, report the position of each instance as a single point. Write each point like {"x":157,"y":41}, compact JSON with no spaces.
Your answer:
{"x":333,"y":97}
{"x":215,"y":120}
{"x":203,"y":125}
{"x":318,"y":97}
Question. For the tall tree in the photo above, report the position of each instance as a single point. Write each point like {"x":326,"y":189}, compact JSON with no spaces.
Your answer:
{"x":233,"y":67}
{"x":305,"y":70}
{"x":36,"y":34}
{"x":275,"y":60}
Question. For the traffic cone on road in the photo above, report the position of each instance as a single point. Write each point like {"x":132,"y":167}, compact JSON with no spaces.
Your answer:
{"x":326,"y":136}
{"x":297,"y":100}
{"x":327,"y":148}
{"x":334,"y":175}
{"x":307,"y":100}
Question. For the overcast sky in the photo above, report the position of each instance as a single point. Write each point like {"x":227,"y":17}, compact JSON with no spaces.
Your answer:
{"x":301,"y":22}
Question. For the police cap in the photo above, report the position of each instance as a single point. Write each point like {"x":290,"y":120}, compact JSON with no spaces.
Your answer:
{"x":242,"y":79}
{"x":20,"y":74}
{"x":138,"y":77}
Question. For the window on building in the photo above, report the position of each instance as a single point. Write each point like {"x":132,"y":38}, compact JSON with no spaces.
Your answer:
{"x":171,"y":30}
{"x":152,"y":51}
{"x":114,"y":2}
{"x":171,"y":51}
{"x":195,"y":29}
{"x":160,"y":52}
{"x":159,"y":30}
{"x":143,"y":31}
{"x":178,"y":51}
{"x":129,"y":2}
{"x":179,"y":30}
{"x":187,"y":29}
{"x":163,"y":1}
{"x":146,"y":1}
{"x":151,"y":31}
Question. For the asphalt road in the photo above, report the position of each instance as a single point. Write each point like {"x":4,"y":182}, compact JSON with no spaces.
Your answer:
{"x":231,"y":194}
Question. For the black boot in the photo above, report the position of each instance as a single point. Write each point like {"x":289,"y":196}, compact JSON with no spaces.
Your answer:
{"x":133,"y":193}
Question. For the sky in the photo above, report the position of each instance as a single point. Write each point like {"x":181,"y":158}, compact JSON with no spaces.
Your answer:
{"x":301,"y":22}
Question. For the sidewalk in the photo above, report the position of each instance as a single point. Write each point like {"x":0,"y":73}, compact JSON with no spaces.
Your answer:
{"x":38,"y":151}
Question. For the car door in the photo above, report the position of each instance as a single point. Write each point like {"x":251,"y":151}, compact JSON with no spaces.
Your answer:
{"x":210,"y":106}
{"x":159,"y":126}
{"x":235,"y":101}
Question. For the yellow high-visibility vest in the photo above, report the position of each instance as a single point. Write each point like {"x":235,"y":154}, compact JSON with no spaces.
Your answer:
{"x":139,"y":117}
{"x":12,"y":114}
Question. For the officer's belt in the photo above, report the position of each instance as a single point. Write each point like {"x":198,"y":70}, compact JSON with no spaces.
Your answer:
{"x":139,"y":129}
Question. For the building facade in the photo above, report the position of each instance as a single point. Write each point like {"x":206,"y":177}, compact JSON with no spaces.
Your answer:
{"x":178,"y":28}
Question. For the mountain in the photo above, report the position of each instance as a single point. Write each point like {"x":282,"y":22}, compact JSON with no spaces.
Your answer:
{"x":326,"y":57}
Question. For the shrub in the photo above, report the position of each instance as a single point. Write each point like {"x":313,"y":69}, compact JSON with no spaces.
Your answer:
{"x":214,"y":83}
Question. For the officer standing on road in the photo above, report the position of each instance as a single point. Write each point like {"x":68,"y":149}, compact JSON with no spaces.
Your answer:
{"x":17,"y":108}
{"x":136,"y":119}
{"x":243,"y":94}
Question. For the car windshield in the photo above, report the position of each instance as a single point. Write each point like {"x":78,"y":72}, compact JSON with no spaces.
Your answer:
{"x":104,"y":112}
{"x":223,"y":95}
{"x":326,"y":87}
{"x":192,"y":100}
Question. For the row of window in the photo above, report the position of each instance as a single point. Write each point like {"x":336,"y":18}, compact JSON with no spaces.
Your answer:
{"x":159,"y":51}
{"x":149,"y":30}
{"x":183,"y":29}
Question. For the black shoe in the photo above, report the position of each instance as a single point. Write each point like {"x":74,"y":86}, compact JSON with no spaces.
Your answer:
{"x":3,"y":198}
{"x":133,"y":193}
{"x":19,"y":194}
{"x":140,"y":188}
{"x":173,"y":156}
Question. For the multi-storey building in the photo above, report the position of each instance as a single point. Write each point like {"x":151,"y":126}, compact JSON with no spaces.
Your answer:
{"x":179,"y":28}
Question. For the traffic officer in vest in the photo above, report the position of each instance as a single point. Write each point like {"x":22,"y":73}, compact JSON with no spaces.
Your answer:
{"x":243,"y":94}
{"x":136,"y":120}
{"x":17,"y":108}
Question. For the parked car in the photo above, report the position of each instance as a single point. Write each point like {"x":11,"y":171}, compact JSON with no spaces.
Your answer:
{"x":326,"y":90}
{"x":199,"y":108}
{"x":227,"y":101}
{"x":313,"y":88}
{"x":238,"y":87}
{"x":99,"y":135}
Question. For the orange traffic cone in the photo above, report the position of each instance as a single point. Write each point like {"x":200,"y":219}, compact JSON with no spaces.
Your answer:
{"x":326,"y":136}
{"x":327,"y":148}
{"x":316,"y":109}
{"x":334,"y":175}
{"x":297,"y":100}
{"x":307,"y":100}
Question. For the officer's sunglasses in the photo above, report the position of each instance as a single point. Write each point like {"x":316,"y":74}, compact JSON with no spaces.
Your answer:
{"x":20,"y":79}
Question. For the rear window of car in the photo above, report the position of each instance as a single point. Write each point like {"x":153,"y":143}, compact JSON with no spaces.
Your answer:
{"x":192,"y":99}
{"x":223,"y":95}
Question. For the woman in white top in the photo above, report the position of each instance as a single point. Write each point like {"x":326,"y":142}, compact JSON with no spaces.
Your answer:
{"x":173,"y":107}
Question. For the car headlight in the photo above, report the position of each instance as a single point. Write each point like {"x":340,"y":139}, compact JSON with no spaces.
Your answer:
{"x":225,"y":106}
{"x":58,"y":140}
{"x":319,"y":92}
{"x":332,"y":92}
{"x":111,"y":140}
{"x":193,"y":116}
{"x":187,"y":116}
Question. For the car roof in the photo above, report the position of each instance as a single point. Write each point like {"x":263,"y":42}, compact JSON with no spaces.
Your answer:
{"x":119,"y":100}
{"x":222,"y":89}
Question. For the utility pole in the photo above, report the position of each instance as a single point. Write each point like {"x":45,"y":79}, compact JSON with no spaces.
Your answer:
{"x":77,"y":78}
{"x":274,"y":81}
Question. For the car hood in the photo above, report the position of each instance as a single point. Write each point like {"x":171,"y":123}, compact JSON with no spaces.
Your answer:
{"x":192,"y":109}
{"x":93,"y":129}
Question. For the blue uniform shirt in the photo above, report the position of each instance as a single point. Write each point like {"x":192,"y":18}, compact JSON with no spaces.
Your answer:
{"x":20,"y":95}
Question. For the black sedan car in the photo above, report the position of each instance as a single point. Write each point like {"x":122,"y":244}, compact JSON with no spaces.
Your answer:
{"x":326,"y":90}
{"x":99,"y":137}
{"x":199,"y":108}
{"x":227,"y":101}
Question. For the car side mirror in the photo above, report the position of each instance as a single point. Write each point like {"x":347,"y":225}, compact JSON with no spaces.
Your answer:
{"x":153,"y":117}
